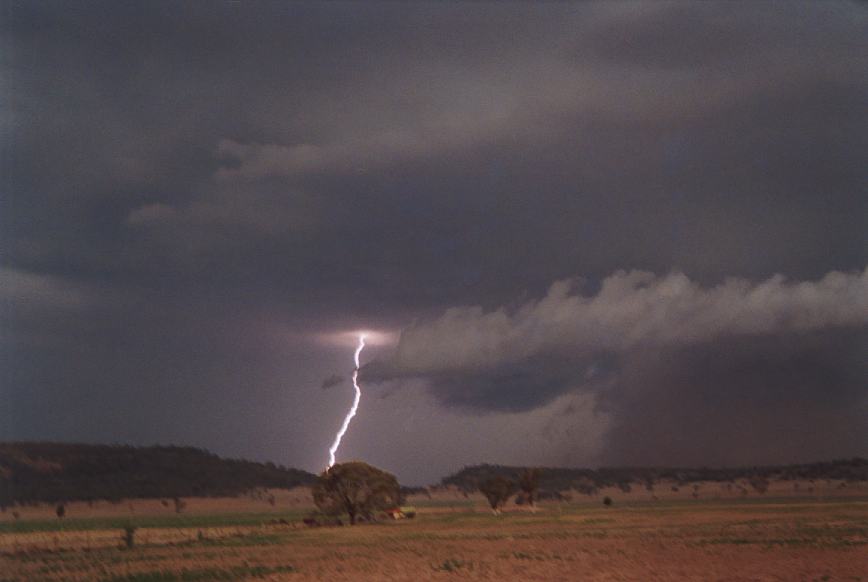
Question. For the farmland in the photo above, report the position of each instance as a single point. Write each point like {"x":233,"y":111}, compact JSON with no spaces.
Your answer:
{"x":758,"y":537}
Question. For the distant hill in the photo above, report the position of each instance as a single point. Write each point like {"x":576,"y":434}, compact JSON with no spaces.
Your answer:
{"x":39,"y":471}
{"x":559,"y":479}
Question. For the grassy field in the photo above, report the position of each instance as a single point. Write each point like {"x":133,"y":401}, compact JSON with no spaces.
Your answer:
{"x":755,"y":539}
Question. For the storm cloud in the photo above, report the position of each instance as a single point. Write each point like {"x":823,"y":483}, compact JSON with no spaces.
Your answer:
{"x":631,"y":310}
{"x":331,"y":381}
{"x":195,"y":194}
{"x":738,"y":372}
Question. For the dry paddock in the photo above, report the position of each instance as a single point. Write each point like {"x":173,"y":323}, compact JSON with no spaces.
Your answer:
{"x":757,"y":539}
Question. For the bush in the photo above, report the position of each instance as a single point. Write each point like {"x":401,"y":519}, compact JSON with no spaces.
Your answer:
{"x":607,"y":501}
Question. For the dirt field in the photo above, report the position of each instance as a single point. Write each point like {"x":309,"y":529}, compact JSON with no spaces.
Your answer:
{"x":748,"y":538}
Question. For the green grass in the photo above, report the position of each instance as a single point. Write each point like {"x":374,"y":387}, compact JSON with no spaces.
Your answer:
{"x":583,"y":507}
{"x":145,"y":521}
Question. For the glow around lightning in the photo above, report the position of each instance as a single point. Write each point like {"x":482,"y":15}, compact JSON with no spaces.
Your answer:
{"x":334,"y":448}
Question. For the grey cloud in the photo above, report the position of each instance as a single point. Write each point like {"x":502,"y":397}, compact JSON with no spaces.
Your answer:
{"x":151,"y":214}
{"x":21,"y":290}
{"x":462,"y":110}
{"x":203,"y":223}
{"x":331,"y":381}
{"x":741,"y":400}
{"x":737,"y":373}
{"x":185,"y":177}
{"x":631,"y":310}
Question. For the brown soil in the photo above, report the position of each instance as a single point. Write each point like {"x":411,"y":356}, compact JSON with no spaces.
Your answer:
{"x":769,"y":539}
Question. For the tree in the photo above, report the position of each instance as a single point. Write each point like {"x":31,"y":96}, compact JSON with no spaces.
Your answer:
{"x":355,"y":488}
{"x":60,"y":510}
{"x":528,"y":482}
{"x":497,"y":490}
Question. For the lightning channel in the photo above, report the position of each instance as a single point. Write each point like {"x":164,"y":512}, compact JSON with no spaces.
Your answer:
{"x":352,"y":412}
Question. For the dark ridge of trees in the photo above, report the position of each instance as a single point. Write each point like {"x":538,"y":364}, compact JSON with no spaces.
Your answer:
{"x":33,"y":472}
{"x":589,"y":480}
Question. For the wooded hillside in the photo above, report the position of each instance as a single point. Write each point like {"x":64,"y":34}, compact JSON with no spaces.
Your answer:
{"x":42,"y":471}
{"x":560,"y":479}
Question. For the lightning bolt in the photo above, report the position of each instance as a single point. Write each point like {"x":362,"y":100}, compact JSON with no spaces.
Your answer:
{"x":334,"y":448}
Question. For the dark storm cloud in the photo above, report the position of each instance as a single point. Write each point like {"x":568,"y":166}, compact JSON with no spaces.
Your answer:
{"x":493,"y":355}
{"x":332,"y":380}
{"x":742,"y":372}
{"x":769,"y":398}
{"x":198,"y":188}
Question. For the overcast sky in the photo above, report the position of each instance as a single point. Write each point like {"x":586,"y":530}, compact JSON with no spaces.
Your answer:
{"x":589,"y":233}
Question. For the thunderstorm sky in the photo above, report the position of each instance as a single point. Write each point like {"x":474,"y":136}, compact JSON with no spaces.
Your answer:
{"x":587,"y":233}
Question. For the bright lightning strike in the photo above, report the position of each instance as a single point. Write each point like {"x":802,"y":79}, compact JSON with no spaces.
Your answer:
{"x":334,"y":448}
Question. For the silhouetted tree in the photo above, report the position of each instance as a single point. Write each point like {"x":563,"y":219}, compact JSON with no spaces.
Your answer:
{"x":607,"y":501}
{"x":355,"y":488}
{"x":497,"y":490}
{"x":60,"y":511}
{"x":528,"y":482}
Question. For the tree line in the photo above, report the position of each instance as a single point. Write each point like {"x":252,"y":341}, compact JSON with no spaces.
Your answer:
{"x":553,"y":480}
{"x":37,"y":472}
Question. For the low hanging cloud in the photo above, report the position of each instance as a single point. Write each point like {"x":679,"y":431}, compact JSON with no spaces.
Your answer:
{"x":23,"y":292}
{"x":525,"y":357}
{"x":740,"y":372}
{"x":632,"y":309}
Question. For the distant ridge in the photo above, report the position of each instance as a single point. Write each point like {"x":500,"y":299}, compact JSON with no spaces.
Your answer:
{"x":32,"y":472}
{"x":561,"y":479}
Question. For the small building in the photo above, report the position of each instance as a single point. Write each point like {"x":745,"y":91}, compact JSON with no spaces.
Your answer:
{"x":395,"y":513}
{"x":405,"y":512}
